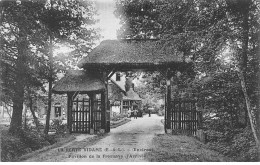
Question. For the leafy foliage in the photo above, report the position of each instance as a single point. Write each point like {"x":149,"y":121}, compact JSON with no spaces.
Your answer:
{"x":30,"y":31}
{"x":221,"y":39}
{"x":118,"y":117}
{"x":58,"y":126}
{"x":240,"y":145}
{"x":150,"y":84}
{"x":12,"y":147}
{"x":139,"y":19}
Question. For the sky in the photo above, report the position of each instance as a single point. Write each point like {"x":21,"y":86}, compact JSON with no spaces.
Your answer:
{"x":108,"y":23}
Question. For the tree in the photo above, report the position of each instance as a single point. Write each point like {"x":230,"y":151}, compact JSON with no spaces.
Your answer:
{"x":17,"y":26}
{"x":211,"y":28}
{"x":139,"y":19}
{"x":241,"y":9}
{"x":203,"y":32}
{"x":27,"y":44}
{"x":67,"y":23}
{"x":151,"y":85}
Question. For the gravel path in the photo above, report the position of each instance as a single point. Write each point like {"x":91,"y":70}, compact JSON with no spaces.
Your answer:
{"x":128,"y":142}
{"x":125,"y":143}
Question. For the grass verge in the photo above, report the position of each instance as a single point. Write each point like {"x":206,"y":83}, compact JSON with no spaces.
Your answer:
{"x":60,"y":142}
{"x":54,"y":155}
{"x":121,"y":122}
{"x":172,"y":148}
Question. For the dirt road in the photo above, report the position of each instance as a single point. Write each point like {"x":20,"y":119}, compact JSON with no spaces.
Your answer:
{"x":128,"y":142}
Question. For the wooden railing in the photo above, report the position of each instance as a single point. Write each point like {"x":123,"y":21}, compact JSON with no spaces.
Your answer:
{"x":185,"y":119}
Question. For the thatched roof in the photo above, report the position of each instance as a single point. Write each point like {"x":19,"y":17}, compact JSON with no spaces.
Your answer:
{"x":79,"y":80}
{"x":114,"y":53}
{"x":131,"y":95}
{"x":115,"y":92}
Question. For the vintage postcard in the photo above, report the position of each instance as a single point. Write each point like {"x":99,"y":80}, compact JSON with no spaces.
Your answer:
{"x":129,"y":81}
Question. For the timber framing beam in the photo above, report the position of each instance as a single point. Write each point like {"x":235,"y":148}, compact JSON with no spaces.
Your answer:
{"x":69,"y":109}
{"x":163,"y":72}
{"x":104,"y":104}
{"x":75,"y":95}
{"x":92,"y":97}
{"x":111,"y":73}
{"x":168,"y":115}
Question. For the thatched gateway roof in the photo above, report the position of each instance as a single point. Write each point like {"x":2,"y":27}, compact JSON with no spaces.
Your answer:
{"x":79,"y":80}
{"x":127,"y":55}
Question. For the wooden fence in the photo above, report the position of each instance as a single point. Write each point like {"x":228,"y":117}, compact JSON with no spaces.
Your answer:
{"x":185,"y":119}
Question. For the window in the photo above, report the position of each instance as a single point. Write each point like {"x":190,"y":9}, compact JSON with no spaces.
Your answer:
{"x":117,"y":76}
{"x":126,"y":106}
{"x":57,"y":111}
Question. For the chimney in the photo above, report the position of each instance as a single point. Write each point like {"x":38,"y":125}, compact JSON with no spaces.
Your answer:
{"x":129,"y":83}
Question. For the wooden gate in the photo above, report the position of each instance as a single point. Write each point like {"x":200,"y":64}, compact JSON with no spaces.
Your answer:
{"x":84,"y":116}
{"x":185,"y":119}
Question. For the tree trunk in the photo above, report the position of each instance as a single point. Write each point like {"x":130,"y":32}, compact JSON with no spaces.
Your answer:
{"x":249,"y":108}
{"x":25,"y":119}
{"x":34,"y":116}
{"x":243,"y":72}
{"x":2,"y":112}
{"x":16,"y":120}
{"x":246,"y":117}
{"x":18,"y":98}
{"x":47,"y":126}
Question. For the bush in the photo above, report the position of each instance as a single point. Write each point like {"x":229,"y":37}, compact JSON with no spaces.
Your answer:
{"x":161,"y":113}
{"x":118,"y":117}
{"x":214,"y":136}
{"x":12,"y":148}
{"x":33,"y":139}
{"x":238,"y":144}
{"x":58,"y":126}
{"x":24,"y":142}
{"x":51,"y":139}
{"x":243,"y":146}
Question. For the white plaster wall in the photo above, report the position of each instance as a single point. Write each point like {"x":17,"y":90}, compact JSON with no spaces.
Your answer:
{"x":115,"y":109}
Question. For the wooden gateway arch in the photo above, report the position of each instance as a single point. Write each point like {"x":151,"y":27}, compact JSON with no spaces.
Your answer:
{"x":124,"y":55}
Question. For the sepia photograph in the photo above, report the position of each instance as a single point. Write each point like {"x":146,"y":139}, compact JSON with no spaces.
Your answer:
{"x":130,"y":81}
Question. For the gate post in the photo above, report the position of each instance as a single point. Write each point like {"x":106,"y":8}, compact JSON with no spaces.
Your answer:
{"x":103,"y":112}
{"x":104,"y":103}
{"x":108,"y":116}
{"x":91,"y":111}
{"x":69,"y":109}
{"x":168,"y":102}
